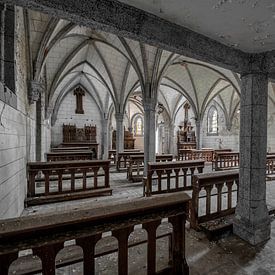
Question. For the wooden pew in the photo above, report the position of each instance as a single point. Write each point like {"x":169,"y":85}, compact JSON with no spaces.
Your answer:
{"x":66,"y":180}
{"x":92,"y":146}
{"x":171,"y":176}
{"x":124,"y":158}
{"x":209,"y":190}
{"x":45,"y":236}
{"x":64,"y":149}
{"x":136,"y":166}
{"x":226,"y":161}
{"x":70,"y":155}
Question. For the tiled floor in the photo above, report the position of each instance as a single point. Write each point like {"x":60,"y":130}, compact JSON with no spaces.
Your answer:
{"x":229,"y":255}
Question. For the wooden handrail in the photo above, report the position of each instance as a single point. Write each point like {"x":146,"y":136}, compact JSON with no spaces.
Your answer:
{"x":170,"y":176}
{"x":207,"y":182}
{"x":136,"y":164}
{"x":70,"y":155}
{"x":46,"y":236}
{"x":78,"y":172}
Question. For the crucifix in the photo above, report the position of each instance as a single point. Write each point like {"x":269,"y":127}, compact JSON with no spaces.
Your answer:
{"x":79,"y":93}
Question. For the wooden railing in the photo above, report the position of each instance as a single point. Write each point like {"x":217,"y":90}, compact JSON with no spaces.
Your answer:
{"x":64,"y":180}
{"x":124,"y":158}
{"x":112,"y":154}
{"x":45,"y":236}
{"x":136,"y":165}
{"x":70,"y":155}
{"x":214,"y":196}
{"x":174,"y":176}
{"x":191,"y":154}
{"x":225,"y":161}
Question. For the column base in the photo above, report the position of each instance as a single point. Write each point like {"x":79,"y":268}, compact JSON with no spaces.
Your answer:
{"x":252,"y":233}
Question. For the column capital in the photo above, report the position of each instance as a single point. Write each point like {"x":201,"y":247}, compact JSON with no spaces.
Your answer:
{"x":36,"y":88}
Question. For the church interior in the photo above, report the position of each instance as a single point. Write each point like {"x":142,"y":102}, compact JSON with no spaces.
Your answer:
{"x":137,"y":137}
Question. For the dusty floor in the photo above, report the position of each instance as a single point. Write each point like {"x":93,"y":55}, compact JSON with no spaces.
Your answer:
{"x":229,"y":255}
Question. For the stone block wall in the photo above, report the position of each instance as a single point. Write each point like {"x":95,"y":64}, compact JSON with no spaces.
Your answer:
{"x":17,"y":135}
{"x":66,"y":114}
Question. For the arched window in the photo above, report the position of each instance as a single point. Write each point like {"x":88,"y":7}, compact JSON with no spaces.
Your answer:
{"x":138,"y":126}
{"x":212,"y":121}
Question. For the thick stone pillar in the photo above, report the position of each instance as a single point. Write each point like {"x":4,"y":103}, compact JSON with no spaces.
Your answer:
{"x":252,"y":222}
{"x":105,"y":139}
{"x":149,"y":105}
{"x":198,"y":133}
{"x":119,"y":132}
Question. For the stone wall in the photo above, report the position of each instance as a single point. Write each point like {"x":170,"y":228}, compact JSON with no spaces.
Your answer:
{"x":17,"y":135}
{"x":66,"y":115}
{"x":225,"y":138}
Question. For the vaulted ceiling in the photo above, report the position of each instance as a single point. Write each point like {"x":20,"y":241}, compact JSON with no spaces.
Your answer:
{"x":65,"y":55}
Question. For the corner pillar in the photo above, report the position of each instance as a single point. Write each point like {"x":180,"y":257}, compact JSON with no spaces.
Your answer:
{"x":252,"y":222}
{"x":149,"y":105}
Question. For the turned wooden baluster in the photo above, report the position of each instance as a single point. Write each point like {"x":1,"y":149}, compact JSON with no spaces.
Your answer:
{"x":179,"y":263}
{"x":168,"y":172}
{"x":122,"y":236}
{"x":5,"y":262}
{"x":177,"y":170}
{"x":229,"y":185}
{"x":31,"y":183}
{"x":159,"y":173}
{"x":72,"y":179}
{"x":47,"y":182}
{"x":60,"y":173}
{"x":184,"y":177}
{"x":47,"y":254}
{"x":106,"y":175}
{"x":84,"y":173}
{"x":208,"y":199}
{"x":88,"y":246}
{"x":151,"y":228}
{"x":95,"y":171}
{"x":219,"y":196}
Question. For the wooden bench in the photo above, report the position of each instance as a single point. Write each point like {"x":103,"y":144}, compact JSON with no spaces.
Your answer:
{"x":64,"y":149}
{"x":66,"y":180}
{"x":171,"y":176}
{"x":213,"y":196}
{"x":124,"y":158}
{"x":47,"y":235}
{"x":92,"y":146}
{"x":136,"y":166}
{"x":70,"y":155}
{"x":225,"y":161}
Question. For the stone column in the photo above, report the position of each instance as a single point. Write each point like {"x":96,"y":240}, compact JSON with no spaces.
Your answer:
{"x":105,"y":139}
{"x":149,"y":105}
{"x":198,"y":133}
{"x":119,"y":132}
{"x":172,"y":138}
{"x":252,"y":222}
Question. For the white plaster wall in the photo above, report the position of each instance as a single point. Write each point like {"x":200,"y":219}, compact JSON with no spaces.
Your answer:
{"x":66,"y":114}
{"x":271,"y":127}
{"x":225,"y":138}
{"x":17,"y":137}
